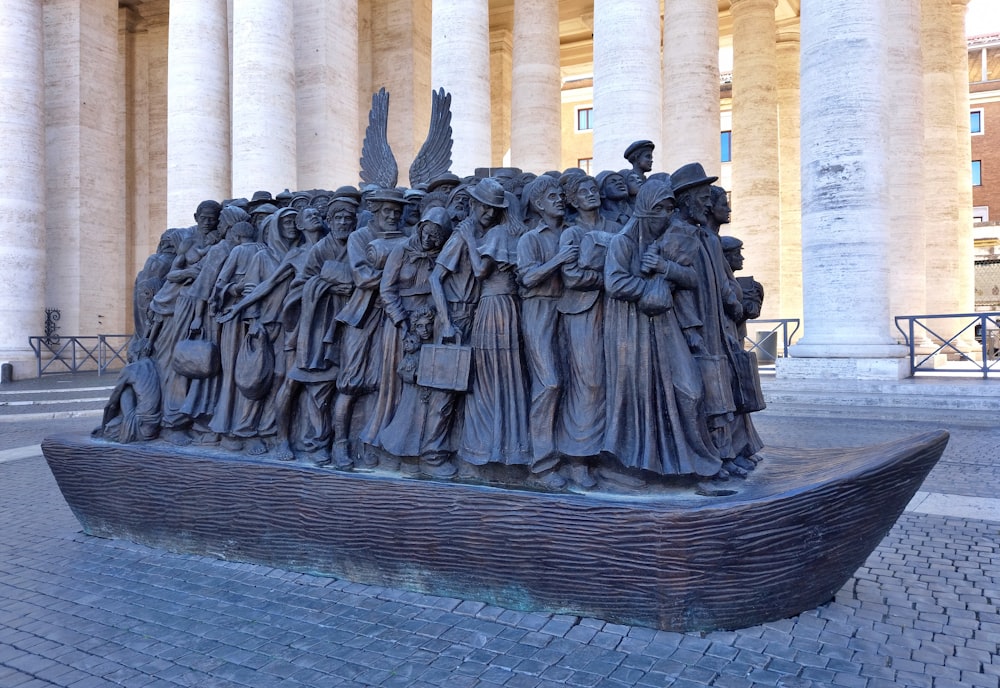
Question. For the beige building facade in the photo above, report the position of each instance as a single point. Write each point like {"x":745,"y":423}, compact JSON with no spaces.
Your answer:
{"x":122,"y":115}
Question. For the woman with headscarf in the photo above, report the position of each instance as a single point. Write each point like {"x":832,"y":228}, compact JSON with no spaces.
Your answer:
{"x":654,"y":387}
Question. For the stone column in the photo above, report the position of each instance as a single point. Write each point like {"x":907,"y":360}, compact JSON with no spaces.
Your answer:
{"x":460,"y":63}
{"x":940,"y":158}
{"x":22,"y":183}
{"x":535,"y":119}
{"x":789,"y":174}
{"x":755,"y":192}
{"x":627,"y":78}
{"x":963,"y":162}
{"x":326,"y":106}
{"x":501,"y":58}
{"x":401,"y":61}
{"x":85,"y":181}
{"x":690,"y":86}
{"x":264,"y":127}
{"x":197,"y":106}
{"x":907,"y":195}
{"x":845,"y":200}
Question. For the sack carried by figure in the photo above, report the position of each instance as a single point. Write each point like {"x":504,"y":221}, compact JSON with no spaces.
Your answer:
{"x":254,"y":370}
{"x":196,"y":358}
{"x":746,"y":386}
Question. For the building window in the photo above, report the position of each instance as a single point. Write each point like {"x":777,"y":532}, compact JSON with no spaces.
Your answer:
{"x":981,"y":213}
{"x":727,"y":146}
{"x":585,"y":119}
{"x":976,"y":122}
{"x":977,"y":172}
{"x":584,"y":164}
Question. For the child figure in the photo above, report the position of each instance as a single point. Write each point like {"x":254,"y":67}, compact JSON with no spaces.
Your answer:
{"x":421,"y":422}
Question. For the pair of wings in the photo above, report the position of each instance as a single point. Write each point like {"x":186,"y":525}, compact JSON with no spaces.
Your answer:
{"x":378,"y":164}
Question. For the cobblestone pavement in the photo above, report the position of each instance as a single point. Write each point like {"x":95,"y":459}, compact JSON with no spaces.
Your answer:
{"x":85,"y":612}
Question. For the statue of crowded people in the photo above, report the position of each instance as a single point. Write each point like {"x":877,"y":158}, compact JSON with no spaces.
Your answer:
{"x":435,"y":332}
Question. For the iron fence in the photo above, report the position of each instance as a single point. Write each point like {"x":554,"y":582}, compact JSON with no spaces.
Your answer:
{"x":981,"y":328}
{"x":103,"y":353}
{"x":765,"y":342}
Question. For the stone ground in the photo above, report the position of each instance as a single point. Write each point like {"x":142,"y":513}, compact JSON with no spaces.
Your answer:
{"x":85,"y":612}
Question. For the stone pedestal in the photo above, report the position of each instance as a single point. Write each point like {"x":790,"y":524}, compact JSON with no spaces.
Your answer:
{"x":894,"y":368}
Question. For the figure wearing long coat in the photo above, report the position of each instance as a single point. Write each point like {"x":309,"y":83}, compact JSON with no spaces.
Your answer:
{"x":654,"y":390}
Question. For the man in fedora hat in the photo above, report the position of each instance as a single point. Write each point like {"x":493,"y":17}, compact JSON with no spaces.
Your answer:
{"x":706,"y":311}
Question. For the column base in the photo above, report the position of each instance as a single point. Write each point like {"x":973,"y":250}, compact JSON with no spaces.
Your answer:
{"x":842,"y":368}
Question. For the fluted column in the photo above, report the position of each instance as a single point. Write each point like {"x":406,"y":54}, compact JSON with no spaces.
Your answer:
{"x":755,"y":192}
{"x":940,"y":158}
{"x":264,"y":132}
{"x":326,"y":105}
{"x":690,"y":85}
{"x":907,"y":195}
{"x":627,"y":76}
{"x":535,"y":128}
{"x":197,"y":107}
{"x":845,"y":204}
{"x":789,"y":174}
{"x":22,"y":182}
{"x":460,"y":63}
{"x":963,"y":159}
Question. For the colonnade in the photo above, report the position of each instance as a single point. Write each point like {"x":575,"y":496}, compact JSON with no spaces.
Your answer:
{"x":182,"y":100}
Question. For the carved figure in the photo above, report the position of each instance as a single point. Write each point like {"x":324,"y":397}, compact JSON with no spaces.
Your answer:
{"x":640,"y":155}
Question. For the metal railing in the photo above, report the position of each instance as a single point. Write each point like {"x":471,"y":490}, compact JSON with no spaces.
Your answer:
{"x":980,"y":328}
{"x":764,"y":342}
{"x":59,"y":354}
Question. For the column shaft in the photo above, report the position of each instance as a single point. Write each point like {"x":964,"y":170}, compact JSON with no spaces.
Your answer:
{"x":535,"y":129}
{"x":845,"y":205}
{"x":908,"y":280}
{"x":789,"y":175}
{"x":940,"y":158}
{"x":264,"y":131}
{"x":501,"y":63}
{"x":197,"y":106}
{"x":460,"y":63}
{"x":756,"y":199}
{"x":690,"y":85}
{"x":327,"y":113}
{"x":22,"y":182}
{"x":963,"y":160}
{"x":627,"y":78}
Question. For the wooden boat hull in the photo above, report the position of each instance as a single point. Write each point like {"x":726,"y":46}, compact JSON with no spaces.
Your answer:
{"x":785,"y":541}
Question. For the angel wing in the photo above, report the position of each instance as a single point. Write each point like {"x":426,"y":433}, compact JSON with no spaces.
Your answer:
{"x":434,"y":158}
{"x":378,"y":164}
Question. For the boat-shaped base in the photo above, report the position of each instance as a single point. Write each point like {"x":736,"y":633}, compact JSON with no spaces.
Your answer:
{"x":783,"y":541}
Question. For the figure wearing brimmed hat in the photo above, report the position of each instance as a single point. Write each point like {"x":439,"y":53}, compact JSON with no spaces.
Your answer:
{"x":706,"y":310}
{"x":496,"y":407}
{"x":363,"y":315}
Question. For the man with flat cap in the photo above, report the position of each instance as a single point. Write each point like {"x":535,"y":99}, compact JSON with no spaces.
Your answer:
{"x":640,"y":156}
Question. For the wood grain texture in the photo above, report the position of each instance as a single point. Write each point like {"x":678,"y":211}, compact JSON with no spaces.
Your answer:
{"x":785,"y":542}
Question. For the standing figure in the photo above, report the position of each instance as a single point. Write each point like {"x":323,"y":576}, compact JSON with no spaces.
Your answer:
{"x":719,"y":212}
{"x":706,"y":310}
{"x":655,"y":420}
{"x":496,"y":407}
{"x":363,"y":315}
{"x":614,"y":197}
{"x":405,"y":288}
{"x":580,"y":426}
{"x":540,"y":259}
